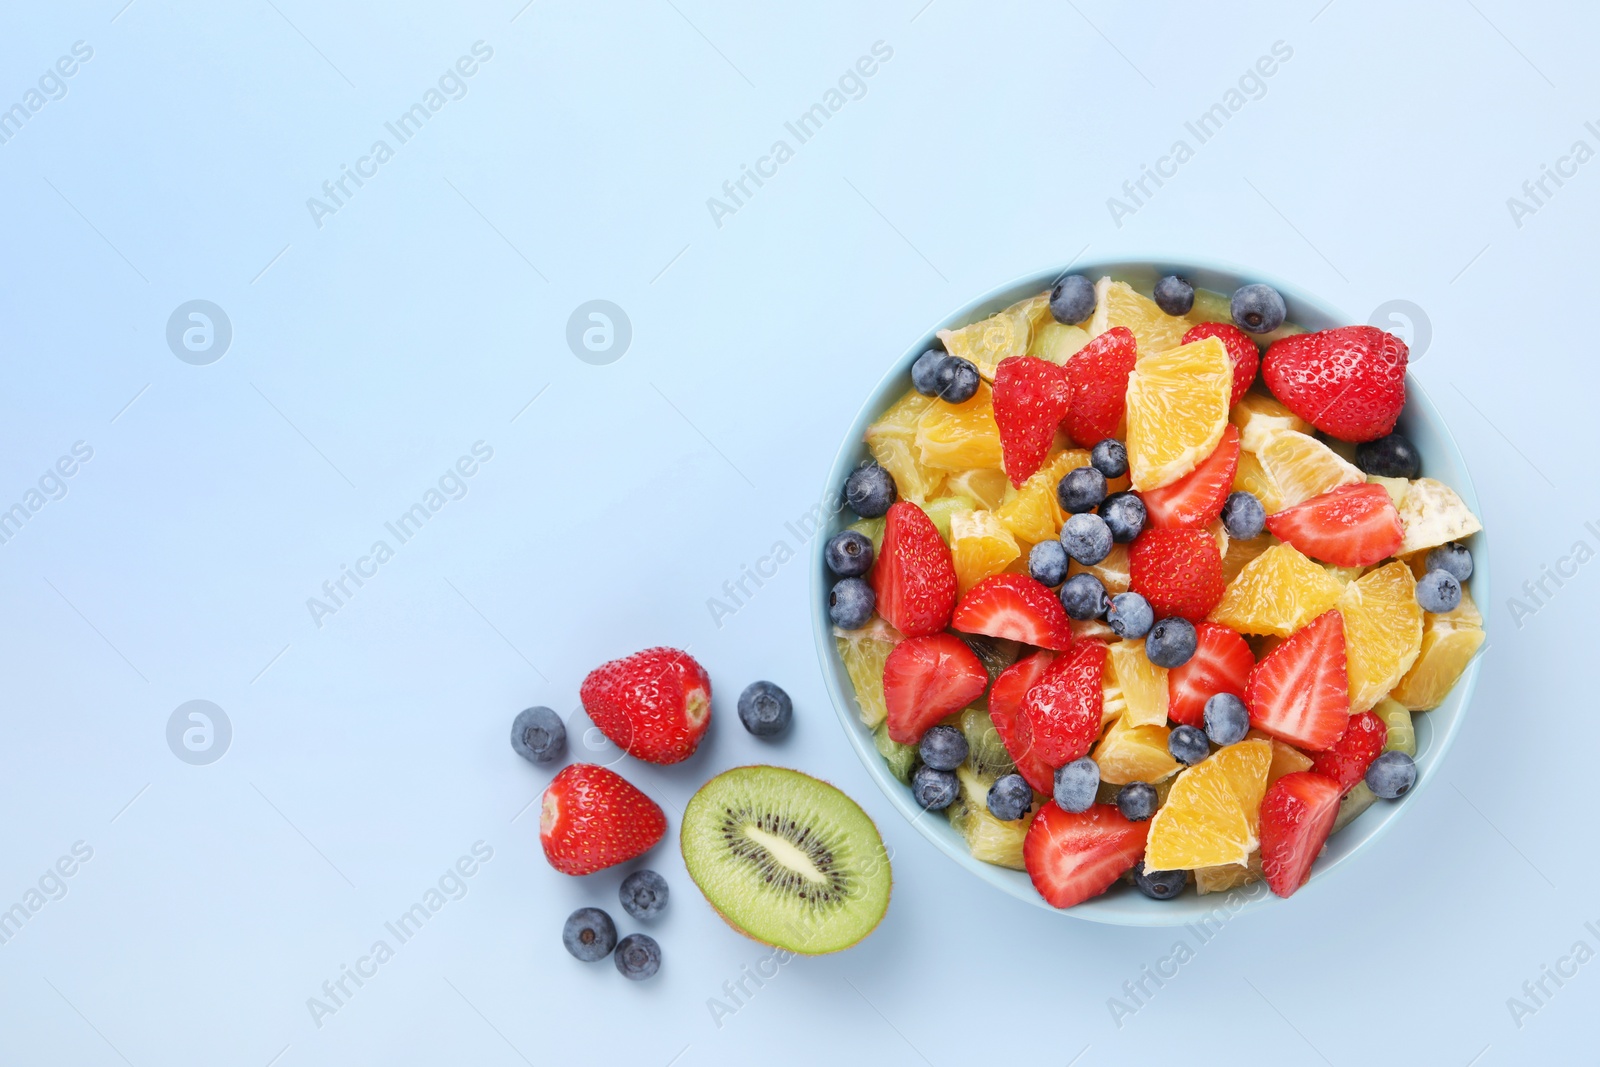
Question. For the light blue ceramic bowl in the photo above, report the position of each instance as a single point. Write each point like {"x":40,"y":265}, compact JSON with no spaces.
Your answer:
{"x":1124,"y":905}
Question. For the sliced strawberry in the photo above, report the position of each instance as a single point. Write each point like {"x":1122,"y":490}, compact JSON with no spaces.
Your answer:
{"x":925,"y":679}
{"x":1061,"y":714}
{"x":1221,"y":664}
{"x":1243,"y":351}
{"x":1178,"y":571}
{"x":1301,"y":692}
{"x":1350,"y":526}
{"x":1297,"y":815}
{"x":1005,"y":711}
{"x":1072,"y":857}
{"x":1361,"y":743}
{"x":1349,"y":382}
{"x":1197,"y":498}
{"x":1030,"y":397}
{"x":1097,"y":377}
{"x":1015,"y":607}
{"x":914,"y":580}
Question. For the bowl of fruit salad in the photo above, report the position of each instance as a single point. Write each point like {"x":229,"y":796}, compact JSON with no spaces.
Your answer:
{"x":1147,"y":582}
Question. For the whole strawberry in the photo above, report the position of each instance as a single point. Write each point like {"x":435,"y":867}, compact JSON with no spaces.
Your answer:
{"x":1241,"y":349}
{"x":1178,"y":571}
{"x":1030,"y":397}
{"x":1097,"y":379}
{"x":1349,"y":382}
{"x":654,"y":705}
{"x":593,"y":818}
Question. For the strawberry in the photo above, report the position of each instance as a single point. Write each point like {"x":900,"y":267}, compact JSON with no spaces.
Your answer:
{"x":1221,"y":664}
{"x":1246,"y":356}
{"x":1301,"y":692}
{"x":1005,"y":711}
{"x":1196,"y":499}
{"x":925,"y":679}
{"x":1015,"y":607}
{"x":1348,"y":526}
{"x":654,"y":704}
{"x":1072,"y":857}
{"x":592,"y":818}
{"x":1349,"y":382}
{"x":914,"y":580}
{"x":1030,"y":397}
{"x":1361,"y":743}
{"x":1296,"y":817}
{"x":1178,"y":571}
{"x":1062,"y":712}
{"x":1097,"y":379}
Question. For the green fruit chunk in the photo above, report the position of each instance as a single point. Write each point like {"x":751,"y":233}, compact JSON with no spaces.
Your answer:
{"x":940,"y":509}
{"x":1402,"y":734}
{"x":997,"y":653}
{"x":900,"y":758}
{"x":989,"y":839}
{"x":1354,"y":803}
{"x":872,"y":529}
{"x":1210,"y":306}
{"x":986,"y":753}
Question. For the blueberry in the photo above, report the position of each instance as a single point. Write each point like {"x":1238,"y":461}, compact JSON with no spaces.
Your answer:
{"x":765,"y":709}
{"x":944,"y":748}
{"x":1110,"y":457}
{"x":1047,"y":563}
{"x":644,"y":894}
{"x":870,"y":490}
{"x":589,"y":934}
{"x":1454,"y":557}
{"x":1227,"y":719}
{"x":638,"y":957}
{"x":1125,"y":514}
{"x":1393,"y":456}
{"x":1130,"y":615}
{"x":1391,"y":775}
{"x":958,"y":379}
{"x":1010,"y":798}
{"x":848,"y":554}
{"x":1188,"y":745}
{"x":1086,"y":538}
{"x":1160,"y":885}
{"x":1072,"y":299}
{"x":1080,"y":490}
{"x":1137,"y":801}
{"x":1438,"y":592}
{"x":934,"y":789}
{"x":538,"y":735}
{"x":1257,"y":308}
{"x":850,"y":604}
{"x":925,"y":372}
{"x":1171,"y":642}
{"x":1174,"y":295}
{"x":1084,"y":597}
{"x":1243,"y":516}
{"x":1076,"y":785}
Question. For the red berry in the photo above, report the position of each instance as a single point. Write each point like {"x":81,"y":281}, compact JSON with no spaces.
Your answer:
{"x":1063,"y":711}
{"x":1005,"y":711}
{"x":1073,"y":857}
{"x":1030,"y":397}
{"x":1301,"y":692}
{"x":1297,"y":815}
{"x":1097,"y":378}
{"x":1178,"y":571}
{"x":1349,"y":382}
{"x":654,"y":705}
{"x":1221,"y":664}
{"x":913,"y":578}
{"x":927,"y":678}
{"x":1015,"y":607}
{"x":1361,"y":743}
{"x":1196,"y":499}
{"x":592,"y":818}
{"x":1348,"y":526}
{"x":1246,"y":356}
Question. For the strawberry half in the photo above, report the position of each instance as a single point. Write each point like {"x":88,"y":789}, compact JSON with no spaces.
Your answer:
{"x":1097,"y":380}
{"x":1196,"y":499}
{"x":1073,"y":857}
{"x":1361,"y":743}
{"x":1030,"y":397}
{"x":1221,"y":664}
{"x":1015,"y":607}
{"x":1301,"y":692}
{"x":1062,"y":713}
{"x":654,"y":705}
{"x":1005,"y":711}
{"x":1243,"y":351}
{"x":1178,"y":571}
{"x":593,"y":818}
{"x":925,"y":679}
{"x":1349,"y":382}
{"x":914,"y":580}
{"x":1350,"y":526}
{"x":1297,"y":815}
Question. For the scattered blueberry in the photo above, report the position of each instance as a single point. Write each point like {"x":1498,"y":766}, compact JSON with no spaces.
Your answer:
{"x":1257,"y":308}
{"x":934,"y":789}
{"x":1454,"y":557}
{"x":1188,"y":745}
{"x":1125,"y":514}
{"x":1047,"y":563}
{"x":638,"y":957}
{"x":644,"y":894}
{"x":851,"y":603}
{"x":765,"y":709}
{"x":1243,"y":516}
{"x":1170,"y":642}
{"x":1174,"y":295}
{"x":538,"y":735}
{"x":1110,"y":457}
{"x":1438,"y":592}
{"x":1077,"y":784}
{"x":848,"y":553}
{"x":943,"y":748}
{"x":958,"y":379}
{"x":925,"y":372}
{"x":1084,"y":597}
{"x":589,"y":934}
{"x":1130,"y":615}
{"x":1010,"y":798}
{"x":1160,"y":885}
{"x":1391,"y":775}
{"x":1393,"y":456}
{"x":870,"y":490}
{"x":1137,"y":801}
{"x":1080,"y":490}
{"x":1072,"y":299}
{"x":1227,"y":719}
{"x":1086,"y":538}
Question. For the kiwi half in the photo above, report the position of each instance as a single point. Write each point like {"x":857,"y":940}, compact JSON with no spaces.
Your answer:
{"x":786,"y":859}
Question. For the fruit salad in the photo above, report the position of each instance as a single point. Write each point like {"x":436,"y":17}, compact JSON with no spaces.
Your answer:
{"x":1146,"y":587}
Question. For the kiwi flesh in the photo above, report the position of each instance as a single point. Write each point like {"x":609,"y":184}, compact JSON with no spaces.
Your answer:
{"x":902,"y":759}
{"x":786,"y":859}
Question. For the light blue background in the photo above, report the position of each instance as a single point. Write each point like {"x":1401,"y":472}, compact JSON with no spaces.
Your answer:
{"x":370,"y":753}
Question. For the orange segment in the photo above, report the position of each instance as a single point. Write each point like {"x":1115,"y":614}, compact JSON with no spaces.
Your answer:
{"x":1211,"y":815}
{"x":1143,"y":684}
{"x":1252,"y":478}
{"x":1286,"y":759}
{"x":959,"y":437}
{"x":1177,"y":410}
{"x":1112,"y":571}
{"x":901,"y":418}
{"x":1277,"y":593}
{"x":1032,"y":513}
{"x":1130,"y":753}
{"x":1449,"y":642}
{"x":864,"y":652}
{"x":1257,"y":414}
{"x":1301,"y":467}
{"x":979,"y":546}
{"x":1117,"y":304}
{"x":987,"y":487}
{"x":892,"y":442}
{"x":1002,"y":335}
{"x":1240,"y":553}
{"x":1382,"y":631}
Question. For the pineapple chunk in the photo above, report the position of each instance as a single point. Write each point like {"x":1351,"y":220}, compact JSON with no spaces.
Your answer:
{"x":1449,"y":641}
{"x":989,"y":839}
{"x":1432,"y":515}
